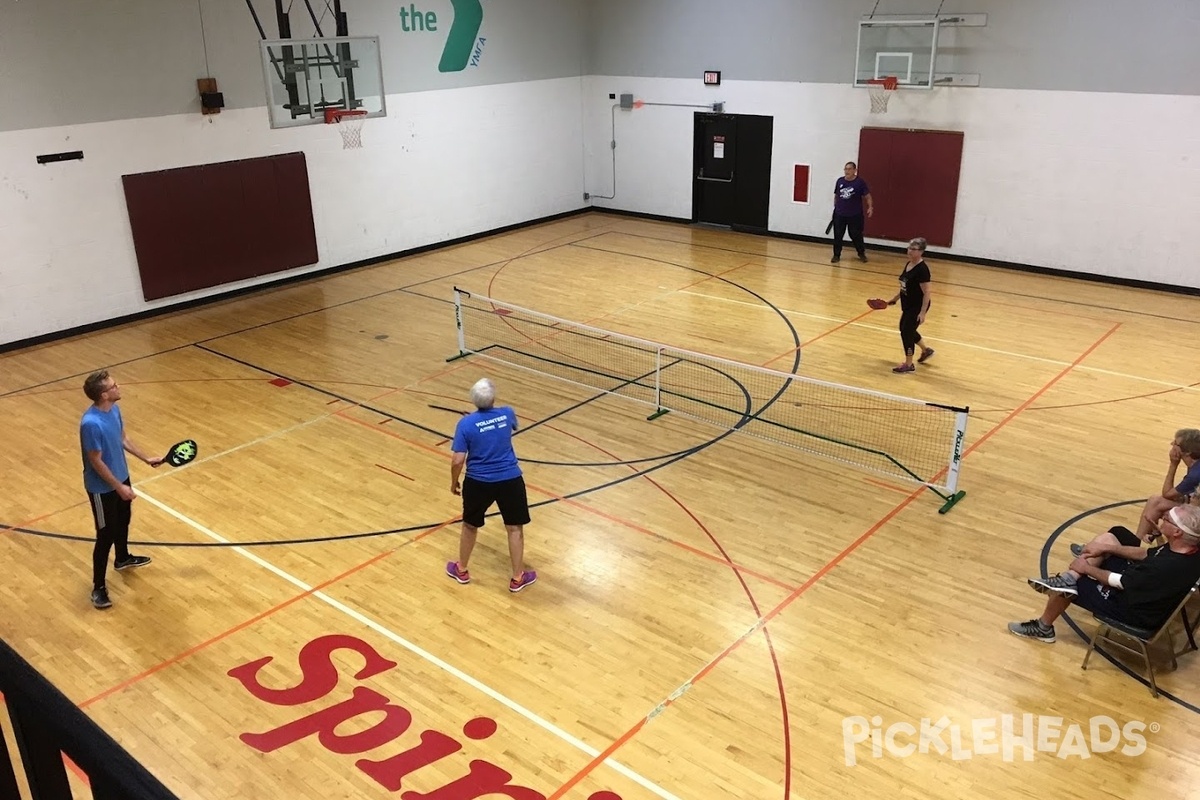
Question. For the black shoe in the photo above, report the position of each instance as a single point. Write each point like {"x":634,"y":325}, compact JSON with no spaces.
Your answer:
{"x":1076,"y":550}
{"x":100,"y":599}
{"x":862,"y":257}
{"x":835,"y":259}
{"x":132,"y":561}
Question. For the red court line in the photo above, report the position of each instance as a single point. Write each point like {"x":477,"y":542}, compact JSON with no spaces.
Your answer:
{"x":822,"y":335}
{"x":394,"y":472}
{"x":159,"y":667}
{"x":818,"y":575}
{"x":39,"y":518}
{"x":590,"y":509}
{"x":716,"y":275}
{"x":885,"y":485}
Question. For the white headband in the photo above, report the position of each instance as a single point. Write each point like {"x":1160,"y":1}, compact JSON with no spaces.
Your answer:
{"x":1176,"y":520}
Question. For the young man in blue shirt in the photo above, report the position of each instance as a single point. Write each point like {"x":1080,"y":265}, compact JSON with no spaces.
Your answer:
{"x":483,"y":444}
{"x":103,"y":444}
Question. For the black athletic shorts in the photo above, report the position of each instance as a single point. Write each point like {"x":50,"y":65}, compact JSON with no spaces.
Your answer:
{"x":478,"y":497}
{"x":1102,"y":598}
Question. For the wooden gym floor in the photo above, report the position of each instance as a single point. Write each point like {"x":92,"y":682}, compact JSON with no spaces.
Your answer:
{"x":725,"y":625}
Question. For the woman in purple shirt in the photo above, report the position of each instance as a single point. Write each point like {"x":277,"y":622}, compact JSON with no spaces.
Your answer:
{"x":849,"y":194}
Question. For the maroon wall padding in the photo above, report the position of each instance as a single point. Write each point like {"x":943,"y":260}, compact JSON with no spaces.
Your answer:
{"x":196,"y":227}
{"x":913,"y":178}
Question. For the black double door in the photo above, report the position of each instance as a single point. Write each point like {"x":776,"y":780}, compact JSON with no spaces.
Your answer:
{"x":731,"y":170}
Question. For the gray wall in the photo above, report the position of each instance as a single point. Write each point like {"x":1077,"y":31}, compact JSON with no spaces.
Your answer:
{"x":1152,"y":46}
{"x":77,"y":61}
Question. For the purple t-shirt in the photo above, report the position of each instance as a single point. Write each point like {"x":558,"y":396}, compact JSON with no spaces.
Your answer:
{"x":848,"y":197}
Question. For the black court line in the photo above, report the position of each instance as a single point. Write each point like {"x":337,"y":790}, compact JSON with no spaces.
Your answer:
{"x":747,"y":414}
{"x":1045,"y":560}
{"x":407,"y":529}
{"x":290,"y":317}
{"x":319,"y":390}
{"x":879,"y":273}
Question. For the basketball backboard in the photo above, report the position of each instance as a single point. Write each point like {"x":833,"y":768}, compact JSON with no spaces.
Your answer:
{"x":306,"y":76}
{"x":903,"y":49}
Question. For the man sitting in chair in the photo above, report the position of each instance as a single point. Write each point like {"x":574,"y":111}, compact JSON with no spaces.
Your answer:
{"x":1115,"y":577}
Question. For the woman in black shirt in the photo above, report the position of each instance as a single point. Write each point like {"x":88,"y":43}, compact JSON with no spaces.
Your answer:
{"x":914,"y":297}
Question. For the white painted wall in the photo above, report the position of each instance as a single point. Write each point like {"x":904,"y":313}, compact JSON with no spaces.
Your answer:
{"x":1089,"y":182}
{"x":443,"y":164}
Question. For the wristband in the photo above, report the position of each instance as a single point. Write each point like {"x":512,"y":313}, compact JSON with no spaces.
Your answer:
{"x":1114,"y":580}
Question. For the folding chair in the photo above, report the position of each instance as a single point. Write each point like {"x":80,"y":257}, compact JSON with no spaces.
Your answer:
{"x":1145,"y":638}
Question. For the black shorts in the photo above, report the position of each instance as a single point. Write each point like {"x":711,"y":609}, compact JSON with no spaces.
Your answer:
{"x":1101,"y":598}
{"x":478,"y":497}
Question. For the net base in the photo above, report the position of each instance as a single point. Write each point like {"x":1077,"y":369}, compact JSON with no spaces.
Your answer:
{"x":349,"y":125}
{"x":881,"y":90}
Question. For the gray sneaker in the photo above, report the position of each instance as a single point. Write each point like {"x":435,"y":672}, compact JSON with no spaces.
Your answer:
{"x":1033,"y":629}
{"x":100,"y":598}
{"x":1077,"y":550}
{"x":1056,"y":584}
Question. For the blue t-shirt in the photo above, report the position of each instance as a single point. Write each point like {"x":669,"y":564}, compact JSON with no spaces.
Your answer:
{"x":103,"y":431}
{"x":1190,"y":481}
{"x":848,"y":197}
{"x":486,"y":438}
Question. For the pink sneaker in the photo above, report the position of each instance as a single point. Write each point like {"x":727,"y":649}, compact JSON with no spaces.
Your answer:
{"x":905,"y":368}
{"x":460,"y":575}
{"x":527,"y":577}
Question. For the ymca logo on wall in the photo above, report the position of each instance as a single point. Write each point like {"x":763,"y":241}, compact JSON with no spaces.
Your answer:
{"x":464,"y":45}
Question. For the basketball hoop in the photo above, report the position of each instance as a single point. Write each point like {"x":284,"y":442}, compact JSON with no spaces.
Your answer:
{"x":881,"y":91}
{"x":349,"y":125}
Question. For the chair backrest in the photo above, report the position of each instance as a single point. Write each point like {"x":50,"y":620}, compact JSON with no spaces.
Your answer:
{"x":1148,"y":635}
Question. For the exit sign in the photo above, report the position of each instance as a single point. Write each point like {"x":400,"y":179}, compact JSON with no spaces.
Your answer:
{"x":712,"y":78}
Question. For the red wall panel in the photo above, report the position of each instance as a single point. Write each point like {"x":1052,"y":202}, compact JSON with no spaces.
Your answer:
{"x":203,"y":226}
{"x":913,"y":177}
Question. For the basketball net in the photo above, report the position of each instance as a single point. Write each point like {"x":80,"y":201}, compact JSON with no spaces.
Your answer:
{"x":881,"y":91}
{"x":349,"y":125}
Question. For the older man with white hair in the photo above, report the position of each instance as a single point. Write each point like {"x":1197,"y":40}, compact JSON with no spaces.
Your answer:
{"x":1115,"y":577}
{"x":483,"y":444}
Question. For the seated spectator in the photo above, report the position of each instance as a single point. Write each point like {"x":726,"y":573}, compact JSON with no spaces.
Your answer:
{"x":1185,"y":447}
{"x":1117,"y":578}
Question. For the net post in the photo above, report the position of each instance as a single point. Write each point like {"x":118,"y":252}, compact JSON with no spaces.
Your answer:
{"x":960,"y":435}
{"x":658,"y":351}
{"x":458,"y":323}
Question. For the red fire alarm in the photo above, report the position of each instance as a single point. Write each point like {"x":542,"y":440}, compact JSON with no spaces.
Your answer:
{"x":712,"y":78}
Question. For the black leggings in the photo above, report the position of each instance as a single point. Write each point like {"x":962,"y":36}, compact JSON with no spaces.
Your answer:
{"x":111,"y":515}
{"x":909,"y":335}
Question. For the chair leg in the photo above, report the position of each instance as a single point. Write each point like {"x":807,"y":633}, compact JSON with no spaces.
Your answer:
{"x":1171,"y":645}
{"x":1101,"y":631}
{"x":1190,"y":628}
{"x":1149,"y":668}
